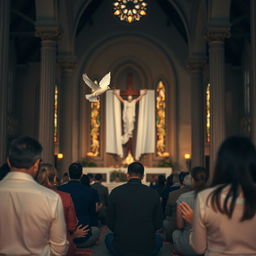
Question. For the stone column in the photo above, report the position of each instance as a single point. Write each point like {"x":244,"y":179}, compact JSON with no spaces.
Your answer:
{"x":47,"y":84}
{"x":197,"y":111}
{"x":253,"y":70}
{"x":4,"y":54}
{"x":66,"y":112}
{"x":217,"y":91}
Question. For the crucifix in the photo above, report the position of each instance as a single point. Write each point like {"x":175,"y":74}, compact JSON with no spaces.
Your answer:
{"x":129,"y":114}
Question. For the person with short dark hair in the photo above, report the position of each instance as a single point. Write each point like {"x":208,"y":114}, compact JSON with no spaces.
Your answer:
{"x":85,"y":205}
{"x":134,"y":214}
{"x":32,"y":219}
{"x":103,"y":196}
{"x":224,"y":219}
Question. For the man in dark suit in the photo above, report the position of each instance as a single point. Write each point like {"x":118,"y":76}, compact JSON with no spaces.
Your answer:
{"x":103,"y":196}
{"x":85,"y":204}
{"x":134,"y":214}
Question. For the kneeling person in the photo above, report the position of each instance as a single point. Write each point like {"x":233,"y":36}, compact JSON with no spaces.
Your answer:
{"x":134,"y":214}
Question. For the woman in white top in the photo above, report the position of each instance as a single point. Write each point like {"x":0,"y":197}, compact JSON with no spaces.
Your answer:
{"x":224,"y":220}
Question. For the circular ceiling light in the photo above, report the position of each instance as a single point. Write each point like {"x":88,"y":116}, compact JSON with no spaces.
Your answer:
{"x":130,"y":10}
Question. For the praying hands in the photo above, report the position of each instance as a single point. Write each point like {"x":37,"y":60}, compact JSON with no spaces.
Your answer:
{"x":186,"y":212}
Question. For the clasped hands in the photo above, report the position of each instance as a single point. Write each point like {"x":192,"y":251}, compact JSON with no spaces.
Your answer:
{"x":186,"y":212}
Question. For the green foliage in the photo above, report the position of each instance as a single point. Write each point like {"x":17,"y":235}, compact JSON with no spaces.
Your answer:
{"x":88,"y":163}
{"x":117,"y":176}
{"x":167,"y":162}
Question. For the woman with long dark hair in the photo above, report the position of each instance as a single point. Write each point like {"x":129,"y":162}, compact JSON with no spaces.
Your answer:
{"x":224,"y":220}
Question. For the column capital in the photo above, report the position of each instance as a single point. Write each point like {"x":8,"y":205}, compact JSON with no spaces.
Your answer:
{"x":48,"y":32}
{"x":67,"y":63}
{"x":196,"y":64}
{"x":217,"y":33}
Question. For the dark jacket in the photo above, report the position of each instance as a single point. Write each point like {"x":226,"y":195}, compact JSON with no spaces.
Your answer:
{"x":84,"y":200}
{"x":102,"y":192}
{"x":134,"y":214}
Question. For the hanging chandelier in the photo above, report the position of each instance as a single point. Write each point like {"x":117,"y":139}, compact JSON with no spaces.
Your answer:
{"x":130,"y":10}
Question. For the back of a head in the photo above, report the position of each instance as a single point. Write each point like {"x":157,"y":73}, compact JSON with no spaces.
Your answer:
{"x":47,"y":175}
{"x":161,"y":180}
{"x":187,"y":180}
{"x":136,"y":169}
{"x":85,"y":180}
{"x":200,"y":176}
{"x":182,"y":175}
{"x":236,"y":162}
{"x":23,"y":152}
{"x":169,"y":180}
{"x":75,"y":171}
{"x":236,"y":167}
{"x":98,"y":177}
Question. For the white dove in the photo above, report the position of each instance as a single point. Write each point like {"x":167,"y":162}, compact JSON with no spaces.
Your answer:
{"x":98,"y":89}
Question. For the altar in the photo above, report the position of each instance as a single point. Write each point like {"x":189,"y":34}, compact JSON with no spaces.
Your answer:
{"x":113,"y":177}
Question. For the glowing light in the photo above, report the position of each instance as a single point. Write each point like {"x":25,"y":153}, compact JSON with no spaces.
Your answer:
{"x":60,"y":156}
{"x":130,"y":10}
{"x":208,"y":114}
{"x":55,"y":125}
{"x":161,"y":120}
{"x":95,"y":130}
{"x":187,"y":156}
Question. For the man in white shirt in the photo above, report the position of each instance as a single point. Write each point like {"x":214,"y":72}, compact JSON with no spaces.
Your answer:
{"x":31,"y":217}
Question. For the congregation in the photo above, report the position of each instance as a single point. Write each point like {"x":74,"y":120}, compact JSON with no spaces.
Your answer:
{"x":194,"y":213}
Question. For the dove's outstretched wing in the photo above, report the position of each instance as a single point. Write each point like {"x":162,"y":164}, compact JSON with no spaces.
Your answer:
{"x":92,"y":97}
{"x":90,"y":83}
{"x":105,"y":81}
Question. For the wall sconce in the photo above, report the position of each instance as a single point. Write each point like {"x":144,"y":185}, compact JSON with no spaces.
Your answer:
{"x":57,"y":157}
{"x":60,"y":155}
{"x":188,"y":161}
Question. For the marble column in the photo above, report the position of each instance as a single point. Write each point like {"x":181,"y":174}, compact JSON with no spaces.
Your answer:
{"x":4,"y":54}
{"x":66,"y":112}
{"x":197,"y":111}
{"x":46,"y":97}
{"x":253,"y":70}
{"x":217,"y":90}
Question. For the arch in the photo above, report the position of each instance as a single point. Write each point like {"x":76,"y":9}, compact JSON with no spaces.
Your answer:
{"x":102,"y":59}
{"x":82,"y":5}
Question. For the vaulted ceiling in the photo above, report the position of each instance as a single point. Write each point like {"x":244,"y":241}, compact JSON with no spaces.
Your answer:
{"x":27,"y":46}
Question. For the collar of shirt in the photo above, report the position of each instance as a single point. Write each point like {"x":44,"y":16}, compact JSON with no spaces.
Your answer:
{"x":134,"y":180}
{"x":19,"y":176}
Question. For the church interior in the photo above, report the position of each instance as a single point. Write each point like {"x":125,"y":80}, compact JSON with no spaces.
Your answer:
{"x":198,"y":57}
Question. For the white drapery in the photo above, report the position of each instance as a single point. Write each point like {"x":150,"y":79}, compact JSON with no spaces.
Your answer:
{"x":113,"y":124}
{"x":145,"y":142}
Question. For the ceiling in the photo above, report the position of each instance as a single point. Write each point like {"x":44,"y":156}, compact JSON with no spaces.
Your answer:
{"x":27,"y":46}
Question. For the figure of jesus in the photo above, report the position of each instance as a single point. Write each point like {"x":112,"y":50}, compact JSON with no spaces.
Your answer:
{"x":128,"y":115}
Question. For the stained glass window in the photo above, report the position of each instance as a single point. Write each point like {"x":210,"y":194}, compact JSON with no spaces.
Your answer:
{"x":95,"y":130}
{"x":130,"y":10}
{"x":56,"y":95}
{"x":208,"y":114}
{"x":161,"y":120}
